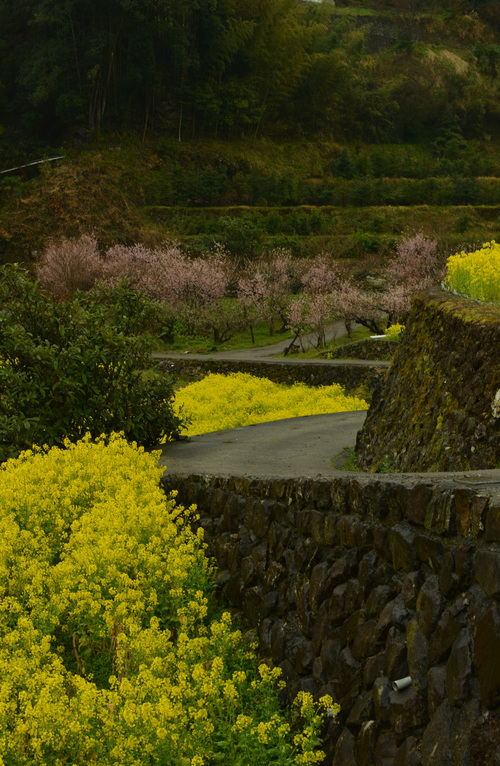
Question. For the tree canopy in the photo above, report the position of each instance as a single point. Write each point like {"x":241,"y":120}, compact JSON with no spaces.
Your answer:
{"x":235,"y":67}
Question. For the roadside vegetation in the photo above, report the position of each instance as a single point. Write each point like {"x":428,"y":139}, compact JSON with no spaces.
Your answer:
{"x":113,"y":648}
{"x":218,"y":402}
{"x":476,"y":275}
{"x":78,"y":366}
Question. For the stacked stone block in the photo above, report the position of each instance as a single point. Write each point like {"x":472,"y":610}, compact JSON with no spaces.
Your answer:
{"x":354,"y":583}
{"x":315,"y":372}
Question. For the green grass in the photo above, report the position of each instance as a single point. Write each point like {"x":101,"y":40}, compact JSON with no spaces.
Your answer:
{"x":203,"y":345}
{"x":242,"y":340}
{"x":346,"y":460}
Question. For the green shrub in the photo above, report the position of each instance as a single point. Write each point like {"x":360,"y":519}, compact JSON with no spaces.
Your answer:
{"x":200,"y":186}
{"x":362,"y":192}
{"x":239,"y":235}
{"x":68,"y":369}
{"x":273,"y":222}
{"x":466,"y":191}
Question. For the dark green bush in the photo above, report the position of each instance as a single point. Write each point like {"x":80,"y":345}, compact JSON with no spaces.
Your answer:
{"x":68,"y":369}
{"x":362,"y":191}
{"x":200,"y":186}
{"x":466,"y":191}
{"x":273,"y":222}
{"x":240,"y":235}
{"x":343,"y":167}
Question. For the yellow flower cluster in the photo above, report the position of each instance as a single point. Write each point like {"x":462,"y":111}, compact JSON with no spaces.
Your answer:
{"x":477,"y":274}
{"x":218,"y":402}
{"x":107,"y":651}
{"x":394,"y":330}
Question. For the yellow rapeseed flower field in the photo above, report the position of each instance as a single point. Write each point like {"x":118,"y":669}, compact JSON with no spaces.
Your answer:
{"x":111,"y":648}
{"x":477,"y":274}
{"x":218,"y":402}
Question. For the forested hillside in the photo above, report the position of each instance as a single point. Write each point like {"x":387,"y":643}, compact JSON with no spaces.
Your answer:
{"x":227,"y":68}
{"x":163,"y":107}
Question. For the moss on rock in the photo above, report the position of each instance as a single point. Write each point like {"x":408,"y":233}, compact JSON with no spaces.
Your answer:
{"x":435,"y":409}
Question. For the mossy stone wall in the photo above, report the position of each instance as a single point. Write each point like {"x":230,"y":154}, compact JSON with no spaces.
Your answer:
{"x":355,"y":582}
{"x":351,"y":376}
{"x":438,"y":407}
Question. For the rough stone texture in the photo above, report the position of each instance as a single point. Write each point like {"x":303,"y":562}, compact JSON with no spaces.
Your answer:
{"x":407,"y":712}
{"x":436,"y":740}
{"x":366,"y":742}
{"x":436,"y":688}
{"x":356,"y":582}
{"x":435,"y":410}
{"x":485,"y":740}
{"x":459,"y":669}
{"x":418,"y":650}
{"x":429,"y":605}
{"x":487,"y":571}
{"x":407,"y":754}
{"x":370,"y":348}
{"x":321,"y":373}
{"x":345,"y":750}
{"x":486,"y":652}
{"x":464,"y":720}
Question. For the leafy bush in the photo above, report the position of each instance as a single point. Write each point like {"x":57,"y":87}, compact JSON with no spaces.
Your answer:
{"x":111,"y":648}
{"x":230,"y":401}
{"x":68,"y":370}
{"x":199,"y":186}
{"x":241,"y":236}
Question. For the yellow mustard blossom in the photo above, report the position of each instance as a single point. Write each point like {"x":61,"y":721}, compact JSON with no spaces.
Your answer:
{"x":107,"y":653}
{"x":477,"y":274}
{"x":394,"y":331}
{"x":229,"y":401}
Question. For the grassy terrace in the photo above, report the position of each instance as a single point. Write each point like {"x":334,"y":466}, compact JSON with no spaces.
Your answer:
{"x":255,"y":195}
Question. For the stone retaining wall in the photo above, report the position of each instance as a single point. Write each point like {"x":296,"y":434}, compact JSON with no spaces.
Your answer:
{"x":349,"y":376}
{"x":359,"y":581}
{"x":369,"y":348}
{"x":439,"y":407}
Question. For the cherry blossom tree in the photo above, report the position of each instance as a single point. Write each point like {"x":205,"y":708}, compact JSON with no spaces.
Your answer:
{"x":310,"y":314}
{"x":417,"y":261}
{"x":319,"y":275}
{"x":416,"y":266}
{"x":312,"y":311}
{"x":352,"y":305}
{"x":267,"y":286}
{"x":68,"y":265}
{"x":195,"y":289}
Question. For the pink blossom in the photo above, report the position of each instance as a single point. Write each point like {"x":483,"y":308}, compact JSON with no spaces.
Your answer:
{"x":267,"y":286}
{"x":70,"y":264}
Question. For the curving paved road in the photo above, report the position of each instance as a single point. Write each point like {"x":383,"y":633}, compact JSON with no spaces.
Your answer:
{"x":268,"y":354}
{"x":295,"y":447}
{"x":307,"y":446}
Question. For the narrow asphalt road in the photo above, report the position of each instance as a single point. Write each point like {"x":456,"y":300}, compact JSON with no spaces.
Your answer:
{"x":268,"y":354}
{"x":307,"y":446}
